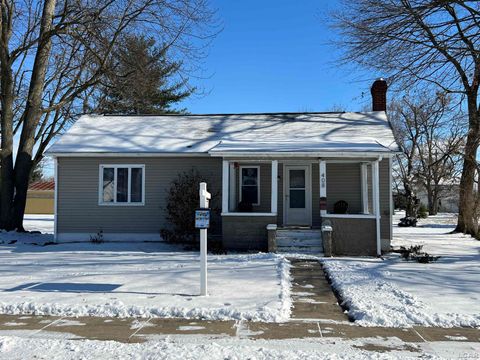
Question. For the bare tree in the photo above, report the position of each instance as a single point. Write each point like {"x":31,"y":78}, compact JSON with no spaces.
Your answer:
{"x":418,"y":41}
{"x":406,"y":129}
{"x":52,"y":55}
{"x":440,"y":148}
{"x":430,"y":135}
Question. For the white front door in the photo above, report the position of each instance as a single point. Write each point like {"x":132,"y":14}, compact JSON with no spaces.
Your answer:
{"x":297,"y":195}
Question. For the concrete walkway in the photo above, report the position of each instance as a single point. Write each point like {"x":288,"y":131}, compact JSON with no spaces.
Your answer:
{"x":315,"y":314}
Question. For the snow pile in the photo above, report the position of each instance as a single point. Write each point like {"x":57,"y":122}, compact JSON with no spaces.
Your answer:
{"x":59,"y":346}
{"x":373,"y":299}
{"x":141,"y":280}
{"x":396,"y":293}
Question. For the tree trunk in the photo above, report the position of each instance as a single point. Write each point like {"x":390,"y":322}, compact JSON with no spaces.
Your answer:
{"x":466,"y":207}
{"x":410,"y":210}
{"x":6,"y":113}
{"x":435,"y":200}
{"x":32,"y":114}
{"x":431,"y":202}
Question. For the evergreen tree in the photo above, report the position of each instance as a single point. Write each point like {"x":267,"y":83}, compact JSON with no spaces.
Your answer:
{"x":142,"y":80}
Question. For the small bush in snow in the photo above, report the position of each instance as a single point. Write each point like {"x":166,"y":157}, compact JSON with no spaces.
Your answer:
{"x":415,"y":253}
{"x":97,"y":238}
{"x":422,"y":211}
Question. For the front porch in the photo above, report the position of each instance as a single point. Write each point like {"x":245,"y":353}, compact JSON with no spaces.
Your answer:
{"x":308,"y":193}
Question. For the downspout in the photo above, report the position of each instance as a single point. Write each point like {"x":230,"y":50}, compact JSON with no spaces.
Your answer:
{"x":377,"y":205}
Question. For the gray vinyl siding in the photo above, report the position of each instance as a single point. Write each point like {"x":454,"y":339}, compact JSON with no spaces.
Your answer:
{"x":385,"y":206}
{"x":344,"y":183}
{"x":78,"y":181}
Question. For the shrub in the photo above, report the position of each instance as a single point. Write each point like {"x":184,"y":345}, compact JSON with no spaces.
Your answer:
{"x":182,"y":201}
{"x":415,"y":253}
{"x":422,"y":211}
{"x":97,"y":238}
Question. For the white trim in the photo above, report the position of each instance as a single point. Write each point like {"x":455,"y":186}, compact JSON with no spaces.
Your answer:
{"x":129,"y":172}
{"x":274,"y":193}
{"x":258,"y":182}
{"x":247,"y":214}
{"x":124,"y":237}
{"x":364,"y":184}
{"x":374,"y":203}
{"x":350,"y":216}
{"x":322,"y":168}
{"x":332,"y":154}
{"x":55,"y":200}
{"x":308,"y":190}
{"x":376,"y":182}
{"x":225,"y":181}
{"x":225,"y":154}
{"x":127,"y":154}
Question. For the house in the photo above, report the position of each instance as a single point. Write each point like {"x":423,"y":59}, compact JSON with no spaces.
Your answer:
{"x":449,"y":196}
{"x":40,"y":197}
{"x":296,"y":171}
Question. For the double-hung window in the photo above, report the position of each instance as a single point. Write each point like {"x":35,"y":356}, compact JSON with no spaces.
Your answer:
{"x":122,"y":185}
{"x":250,"y":184}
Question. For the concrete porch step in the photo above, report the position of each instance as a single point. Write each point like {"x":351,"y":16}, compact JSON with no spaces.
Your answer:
{"x":299,"y":241}
{"x":299,"y":233}
{"x":313,"y":250}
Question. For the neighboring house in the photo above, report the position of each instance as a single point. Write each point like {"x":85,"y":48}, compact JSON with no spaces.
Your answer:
{"x":40,"y":197}
{"x":113,"y":174}
{"x":448,"y":200}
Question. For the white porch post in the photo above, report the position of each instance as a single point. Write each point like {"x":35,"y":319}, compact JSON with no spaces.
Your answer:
{"x":225,"y":183}
{"x":364,"y":181}
{"x":376,"y":201}
{"x":323,"y":182}
{"x":274,"y":197}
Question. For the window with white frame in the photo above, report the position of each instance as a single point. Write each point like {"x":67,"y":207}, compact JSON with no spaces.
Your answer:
{"x":122,"y":185}
{"x":250,"y":184}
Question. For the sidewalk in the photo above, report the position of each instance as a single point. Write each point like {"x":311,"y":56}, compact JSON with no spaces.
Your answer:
{"x":315,"y":314}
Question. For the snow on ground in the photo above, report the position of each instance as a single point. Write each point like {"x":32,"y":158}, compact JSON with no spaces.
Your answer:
{"x":41,"y":225}
{"x":393,"y":292}
{"x":17,"y":345}
{"x":136,"y":279}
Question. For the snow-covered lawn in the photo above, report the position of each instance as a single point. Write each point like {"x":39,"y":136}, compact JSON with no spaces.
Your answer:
{"x":136,"y":279}
{"x":397,"y":293}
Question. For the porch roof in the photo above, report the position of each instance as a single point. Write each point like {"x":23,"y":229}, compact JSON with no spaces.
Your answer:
{"x":303,"y":148}
{"x":212,"y":133}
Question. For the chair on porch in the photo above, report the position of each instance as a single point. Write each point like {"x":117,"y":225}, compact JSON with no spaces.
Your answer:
{"x":340,"y":207}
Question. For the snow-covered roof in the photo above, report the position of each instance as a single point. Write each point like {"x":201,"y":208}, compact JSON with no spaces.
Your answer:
{"x":282,"y":132}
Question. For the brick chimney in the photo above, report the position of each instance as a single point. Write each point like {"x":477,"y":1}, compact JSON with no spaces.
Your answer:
{"x":379,"y":95}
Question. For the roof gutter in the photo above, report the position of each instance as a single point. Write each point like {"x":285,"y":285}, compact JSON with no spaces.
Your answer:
{"x":125,"y":154}
{"x":299,"y":154}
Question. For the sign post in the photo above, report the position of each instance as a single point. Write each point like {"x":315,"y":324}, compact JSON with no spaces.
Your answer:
{"x":202,"y":222}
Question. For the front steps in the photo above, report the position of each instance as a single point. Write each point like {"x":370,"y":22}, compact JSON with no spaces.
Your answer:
{"x":299,"y":240}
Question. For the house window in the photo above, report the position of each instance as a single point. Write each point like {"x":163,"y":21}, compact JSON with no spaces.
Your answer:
{"x":122,"y":185}
{"x":250,"y":184}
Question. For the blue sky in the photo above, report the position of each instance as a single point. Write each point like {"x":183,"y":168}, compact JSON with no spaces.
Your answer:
{"x":275,"y":56}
